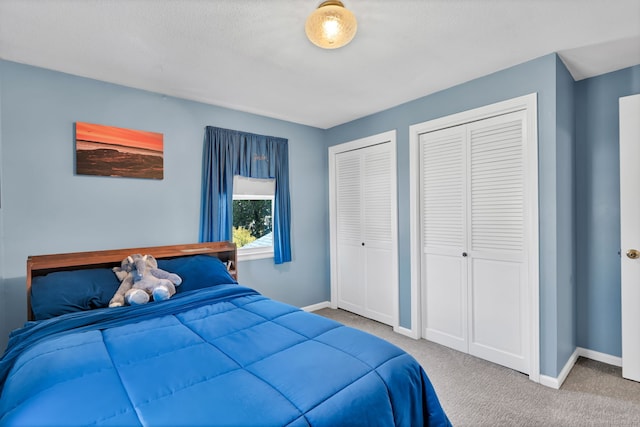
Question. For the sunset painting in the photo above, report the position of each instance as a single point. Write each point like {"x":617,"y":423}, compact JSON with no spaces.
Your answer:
{"x":111,"y":151}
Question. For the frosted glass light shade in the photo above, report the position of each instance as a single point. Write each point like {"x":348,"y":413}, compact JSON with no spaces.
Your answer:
{"x":331,"y":26}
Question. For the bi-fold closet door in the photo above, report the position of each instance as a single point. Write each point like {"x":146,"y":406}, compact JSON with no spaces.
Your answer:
{"x":474,"y":252}
{"x":364,"y":230}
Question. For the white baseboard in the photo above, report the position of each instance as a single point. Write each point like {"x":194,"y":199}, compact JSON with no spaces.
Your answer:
{"x":549,"y":382}
{"x":600,"y":357}
{"x":317,"y":306}
{"x":406,"y":332}
{"x":556,"y":383}
{"x":579,"y":352}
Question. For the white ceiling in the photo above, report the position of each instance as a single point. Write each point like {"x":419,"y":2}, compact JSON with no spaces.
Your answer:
{"x":253,"y":55}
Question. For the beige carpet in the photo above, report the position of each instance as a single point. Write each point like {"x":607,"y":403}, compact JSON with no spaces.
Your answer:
{"x":474,"y":392}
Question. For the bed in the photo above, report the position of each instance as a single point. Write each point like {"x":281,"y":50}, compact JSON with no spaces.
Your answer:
{"x":216,"y":353}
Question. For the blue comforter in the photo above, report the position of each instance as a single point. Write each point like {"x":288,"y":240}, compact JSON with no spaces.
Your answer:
{"x":224,"y":356}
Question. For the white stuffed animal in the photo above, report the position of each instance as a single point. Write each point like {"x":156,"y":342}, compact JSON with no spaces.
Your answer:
{"x":142,"y":280}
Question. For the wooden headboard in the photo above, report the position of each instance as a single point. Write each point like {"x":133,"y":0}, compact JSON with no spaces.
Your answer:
{"x":40,"y":265}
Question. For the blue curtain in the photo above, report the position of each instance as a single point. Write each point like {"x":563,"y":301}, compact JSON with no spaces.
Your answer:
{"x":228,"y":153}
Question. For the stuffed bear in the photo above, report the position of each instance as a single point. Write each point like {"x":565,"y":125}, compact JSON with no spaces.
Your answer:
{"x":142,"y":280}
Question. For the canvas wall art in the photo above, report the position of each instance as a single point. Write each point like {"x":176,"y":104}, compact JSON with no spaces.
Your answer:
{"x":112,"y":151}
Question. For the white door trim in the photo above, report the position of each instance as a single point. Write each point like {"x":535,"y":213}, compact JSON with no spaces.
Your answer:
{"x":381,"y":138}
{"x":527,"y":103}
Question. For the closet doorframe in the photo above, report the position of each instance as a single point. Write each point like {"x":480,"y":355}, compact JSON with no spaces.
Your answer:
{"x":381,"y":138}
{"x":528,"y":104}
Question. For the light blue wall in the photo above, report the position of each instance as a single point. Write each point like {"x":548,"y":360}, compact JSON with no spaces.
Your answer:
{"x":537,"y":76}
{"x":566,"y":215}
{"x":46,"y":208}
{"x":598,"y":208}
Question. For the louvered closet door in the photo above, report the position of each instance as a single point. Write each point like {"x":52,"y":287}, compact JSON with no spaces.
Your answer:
{"x":377,"y":233}
{"x":473,"y":234}
{"x":364,"y":232}
{"x":497,"y":260}
{"x":350,"y":257}
{"x":443,"y":177}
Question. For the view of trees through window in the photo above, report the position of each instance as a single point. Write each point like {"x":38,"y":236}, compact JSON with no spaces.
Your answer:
{"x":252,"y":223}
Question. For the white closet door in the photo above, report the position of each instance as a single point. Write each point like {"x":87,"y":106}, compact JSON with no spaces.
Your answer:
{"x":474,"y":264}
{"x":365,"y":261}
{"x":350,"y":257}
{"x":497,"y":257}
{"x":443,"y":176}
{"x":378,"y":188}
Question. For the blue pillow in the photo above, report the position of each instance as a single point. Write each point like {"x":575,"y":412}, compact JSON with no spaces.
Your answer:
{"x":64,"y":292}
{"x":197,"y":271}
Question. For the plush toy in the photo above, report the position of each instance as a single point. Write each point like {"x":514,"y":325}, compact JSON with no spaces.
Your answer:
{"x":142,"y":280}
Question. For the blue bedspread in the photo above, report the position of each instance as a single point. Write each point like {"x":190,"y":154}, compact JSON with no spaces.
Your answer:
{"x":224,"y":356}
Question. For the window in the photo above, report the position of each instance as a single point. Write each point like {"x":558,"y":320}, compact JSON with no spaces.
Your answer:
{"x":253,"y":207}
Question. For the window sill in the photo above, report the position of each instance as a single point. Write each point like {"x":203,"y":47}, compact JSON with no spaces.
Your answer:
{"x":248,"y":256}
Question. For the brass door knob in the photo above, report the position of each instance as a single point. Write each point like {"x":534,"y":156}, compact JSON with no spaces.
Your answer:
{"x":633,"y":254}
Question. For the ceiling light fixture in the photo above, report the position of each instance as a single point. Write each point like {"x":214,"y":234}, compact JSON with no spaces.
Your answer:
{"x":331,"y":25}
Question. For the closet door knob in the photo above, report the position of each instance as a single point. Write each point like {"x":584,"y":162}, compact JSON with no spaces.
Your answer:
{"x":362,"y":243}
{"x":464,"y":254}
